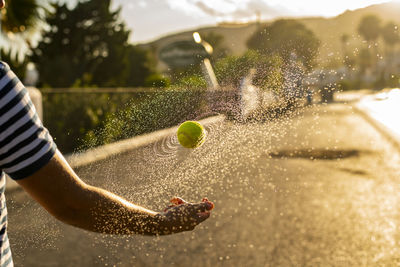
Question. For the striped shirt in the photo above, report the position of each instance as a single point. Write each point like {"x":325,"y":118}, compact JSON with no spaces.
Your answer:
{"x":25,"y":145}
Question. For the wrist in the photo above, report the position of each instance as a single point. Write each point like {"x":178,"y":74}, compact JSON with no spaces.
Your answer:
{"x":154,"y":224}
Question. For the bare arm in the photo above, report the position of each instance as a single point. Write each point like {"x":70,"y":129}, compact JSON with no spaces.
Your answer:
{"x":60,"y":191}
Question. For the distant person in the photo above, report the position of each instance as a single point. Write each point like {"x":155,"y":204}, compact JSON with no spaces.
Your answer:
{"x":309,"y":95}
{"x":30,"y":157}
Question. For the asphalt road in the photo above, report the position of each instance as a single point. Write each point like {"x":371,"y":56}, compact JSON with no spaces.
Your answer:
{"x":318,"y":187}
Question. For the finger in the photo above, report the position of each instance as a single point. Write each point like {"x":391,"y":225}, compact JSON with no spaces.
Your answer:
{"x":193,"y":209}
{"x":202,"y":206}
{"x":210,"y":205}
{"x":202,"y":216}
{"x":178,"y":201}
{"x":196,"y":219}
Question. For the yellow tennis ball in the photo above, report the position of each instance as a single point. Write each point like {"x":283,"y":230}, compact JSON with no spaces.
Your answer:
{"x":191,"y":134}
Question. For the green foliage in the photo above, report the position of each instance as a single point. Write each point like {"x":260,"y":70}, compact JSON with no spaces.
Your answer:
{"x":349,"y":61}
{"x":177,"y":74}
{"x":192,"y":81}
{"x":370,"y":27}
{"x":393,"y":81}
{"x":284,"y":37}
{"x":62,"y":111}
{"x":384,"y":80}
{"x":346,"y":85}
{"x":232,"y":69}
{"x":380,"y":82}
{"x":157,"y":81}
{"x":344,"y":39}
{"x":88,"y":45}
{"x":19,"y":68}
{"x":21,"y":15}
{"x":390,"y":34}
{"x":365,"y":59}
{"x":140,"y":64}
{"x":269,"y":75}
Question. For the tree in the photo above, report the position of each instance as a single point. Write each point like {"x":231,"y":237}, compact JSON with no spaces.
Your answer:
{"x":348,"y":58}
{"x":88,"y":46}
{"x":141,"y":67}
{"x":21,"y":15}
{"x":390,"y":34}
{"x":78,"y":42}
{"x":344,"y":40}
{"x":285,"y":37}
{"x":365,"y":60}
{"x":391,"y":37}
{"x":369,"y":28}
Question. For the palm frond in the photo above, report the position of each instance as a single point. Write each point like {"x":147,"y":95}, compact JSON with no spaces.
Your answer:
{"x":21,"y":22}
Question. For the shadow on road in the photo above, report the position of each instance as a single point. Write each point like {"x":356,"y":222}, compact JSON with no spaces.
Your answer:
{"x":312,"y":154}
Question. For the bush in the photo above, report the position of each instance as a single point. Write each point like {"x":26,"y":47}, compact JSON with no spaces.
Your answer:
{"x":69,"y":115}
{"x":193,"y":81}
{"x":157,"y":81}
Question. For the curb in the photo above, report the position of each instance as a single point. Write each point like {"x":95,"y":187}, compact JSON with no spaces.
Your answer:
{"x":90,"y":156}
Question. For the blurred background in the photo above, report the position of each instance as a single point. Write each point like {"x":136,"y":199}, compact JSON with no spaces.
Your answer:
{"x":303,"y":168}
{"x":68,"y":49}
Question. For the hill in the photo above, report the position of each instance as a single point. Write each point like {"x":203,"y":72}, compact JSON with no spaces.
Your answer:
{"x":328,"y":30}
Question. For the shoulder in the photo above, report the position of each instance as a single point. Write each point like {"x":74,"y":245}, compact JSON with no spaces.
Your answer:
{"x":4,"y":68}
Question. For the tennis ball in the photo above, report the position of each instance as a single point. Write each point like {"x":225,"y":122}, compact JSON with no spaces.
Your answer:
{"x":191,"y":134}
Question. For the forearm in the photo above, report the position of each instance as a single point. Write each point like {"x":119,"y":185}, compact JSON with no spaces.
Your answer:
{"x":60,"y":191}
{"x":105,"y":212}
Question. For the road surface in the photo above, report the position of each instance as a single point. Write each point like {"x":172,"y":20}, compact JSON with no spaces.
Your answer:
{"x":318,"y":187}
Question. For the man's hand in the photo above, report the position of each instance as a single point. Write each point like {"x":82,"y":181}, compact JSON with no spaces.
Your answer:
{"x":183,"y":216}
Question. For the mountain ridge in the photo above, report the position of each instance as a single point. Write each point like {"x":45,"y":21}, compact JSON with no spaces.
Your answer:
{"x":328,"y":30}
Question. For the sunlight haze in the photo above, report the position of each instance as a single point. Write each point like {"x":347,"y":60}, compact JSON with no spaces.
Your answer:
{"x":152,"y":19}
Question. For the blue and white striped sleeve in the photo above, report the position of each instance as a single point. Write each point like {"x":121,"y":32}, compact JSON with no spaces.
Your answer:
{"x":25,"y":144}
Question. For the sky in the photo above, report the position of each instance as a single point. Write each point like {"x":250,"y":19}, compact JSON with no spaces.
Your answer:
{"x":152,"y":19}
